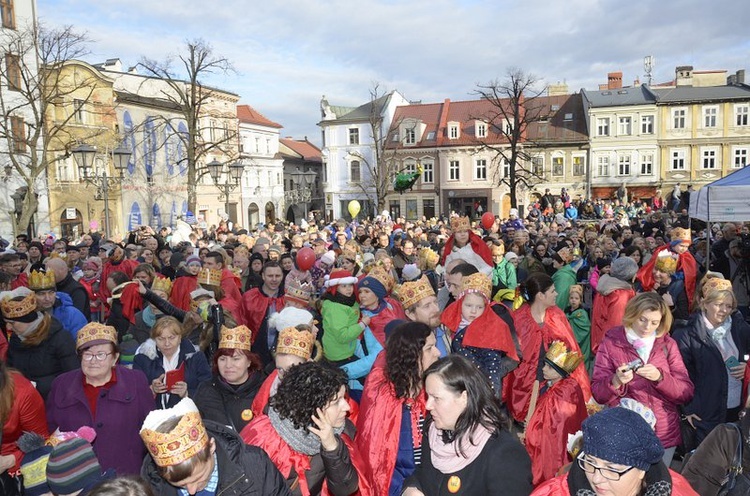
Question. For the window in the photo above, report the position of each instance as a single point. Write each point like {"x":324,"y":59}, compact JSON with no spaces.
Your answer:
{"x":647,"y":164}
{"x":18,"y":132}
{"x":411,"y":209}
{"x":537,"y":165}
{"x":268,"y":146}
{"x":325,"y":171}
{"x":579,"y":166}
{"x":79,"y":113}
{"x":741,"y":113}
{"x":395,"y":209}
{"x":678,"y":159}
{"x":678,"y":118}
{"x":647,"y":124}
{"x":212,"y":130}
{"x":505,"y":167}
{"x":481,"y":130}
{"x":428,"y":208}
{"x":13,"y":71}
{"x":558,"y":166}
{"x":626,"y":126}
{"x":602,"y":126}
{"x":257,"y":145}
{"x":602,"y":165}
{"x":623,"y":165}
{"x":708,"y":158}
{"x":65,"y":171}
{"x":410,"y":136}
{"x":428,"y":169}
{"x":8,"y":15}
{"x":453,"y":171}
{"x":453,"y":131}
{"x":354,"y":172}
{"x":740,"y":158}
{"x":410,"y":166}
{"x":480,"y":171}
{"x":709,"y":116}
{"x":353,"y":136}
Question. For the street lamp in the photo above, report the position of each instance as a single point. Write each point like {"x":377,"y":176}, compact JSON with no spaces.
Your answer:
{"x":232,"y":180}
{"x":84,"y":156}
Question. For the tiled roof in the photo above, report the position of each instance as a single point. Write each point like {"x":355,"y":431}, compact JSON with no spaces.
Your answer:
{"x":707,"y":93}
{"x":247,"y":114}
{"x":621,"y":97}
{"x":304,"y":148}
{"x":566,"y":120}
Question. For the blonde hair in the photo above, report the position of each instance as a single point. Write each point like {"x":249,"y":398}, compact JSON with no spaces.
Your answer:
{"x":648,"y":302}
{"x":165,"y":323}
{"x":715,"y":296}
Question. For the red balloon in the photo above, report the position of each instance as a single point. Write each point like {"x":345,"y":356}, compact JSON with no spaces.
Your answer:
{"x":488,"y":220}
{"x":305,"y":258}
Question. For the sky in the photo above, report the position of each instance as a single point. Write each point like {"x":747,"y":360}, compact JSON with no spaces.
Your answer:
{"x":288,"y":54}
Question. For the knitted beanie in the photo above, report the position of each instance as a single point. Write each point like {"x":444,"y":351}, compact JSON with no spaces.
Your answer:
{"x":375,"y":286}
{"x":72,"y":466}
{"x":34,"y":463}
{"x":621,"y":436}
{"x":624,"y":269}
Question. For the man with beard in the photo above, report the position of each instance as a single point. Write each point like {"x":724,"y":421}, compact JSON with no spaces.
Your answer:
{"x":421,"y":305}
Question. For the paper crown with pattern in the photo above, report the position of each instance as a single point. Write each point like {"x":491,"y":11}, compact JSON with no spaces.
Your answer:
{"x":164,"y":284}
{"x":378,"y":272}
{"x":20,"y":308}
{"x":681,"y":234}
{"x":429,"y":258}
{"x":298,"y":291}
{"x":236,"y":338}
{"x":210,"y":276}
{"x":41,"y":280}
{"x":577,"y":288}
{"x":459,"y":224}
{"x":476,"y":283}
{"x":559,"y":356}
{"x":184,"y":441}
{"x":95,"y":333}
{"x":293,"y":341}
{"x":716,"y":284}
{"x":412,"y":292}
{"x":666,"y":263}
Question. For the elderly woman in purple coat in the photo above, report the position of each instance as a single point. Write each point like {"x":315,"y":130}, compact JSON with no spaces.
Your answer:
{"x":112,"y":399}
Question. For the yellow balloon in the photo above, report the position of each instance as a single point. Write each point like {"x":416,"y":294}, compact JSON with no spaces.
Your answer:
{"x":354,"y":208}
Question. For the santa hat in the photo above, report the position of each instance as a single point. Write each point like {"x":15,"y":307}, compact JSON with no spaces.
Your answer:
{"x":339,"y":276}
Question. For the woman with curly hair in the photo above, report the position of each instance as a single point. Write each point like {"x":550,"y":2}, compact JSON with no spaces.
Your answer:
{"x":307,"y":434}
{"x":392,"y":410}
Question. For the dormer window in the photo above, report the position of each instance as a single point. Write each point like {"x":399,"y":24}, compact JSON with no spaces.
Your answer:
{"x":481,"y":129}
{"x":410,"y":136}
{"x":453,"y":130}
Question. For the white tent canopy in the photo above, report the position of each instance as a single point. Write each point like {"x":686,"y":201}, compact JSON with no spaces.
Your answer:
{"x":724,"y":200}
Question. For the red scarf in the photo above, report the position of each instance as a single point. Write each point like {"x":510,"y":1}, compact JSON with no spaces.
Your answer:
{"x":487,"y":331}
{"x":479,"y":247}
{"x":685,"y":263}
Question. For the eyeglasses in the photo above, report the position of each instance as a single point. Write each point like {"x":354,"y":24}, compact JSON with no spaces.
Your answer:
{"x":87,"y":357}
{"x":607,"y":473}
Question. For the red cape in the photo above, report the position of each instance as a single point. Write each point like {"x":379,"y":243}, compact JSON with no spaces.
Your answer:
{"x":685,"y":263}
{"x":263,"y":395}
{"x":132,"y":302}
{"x":254,"y":307}
{"x":126,"y":266}
{"x":607,"y":313}
{"x":519,"y":383}
{"x":21,"y":280}
{"x":392,"y":311}
{"x":559,"y":412}
{"x":231,"y":285}
{"x":479,"y":247}
{"x":181,"y":289}
{"x":487,"y":331}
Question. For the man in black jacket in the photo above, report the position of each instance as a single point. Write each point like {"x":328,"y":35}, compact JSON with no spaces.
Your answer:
{"x":66,"y":284}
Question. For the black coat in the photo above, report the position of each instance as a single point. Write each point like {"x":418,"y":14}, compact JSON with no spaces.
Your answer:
{"x":243,"y":469}
{"x":77,"y":293}
{"x":502,"y":468}
{"x":50,"y":358}
{"x":707,"y":369}
{"x":222,"y":403}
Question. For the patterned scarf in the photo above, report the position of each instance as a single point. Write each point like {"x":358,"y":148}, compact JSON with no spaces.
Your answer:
{"x":300,"y":440}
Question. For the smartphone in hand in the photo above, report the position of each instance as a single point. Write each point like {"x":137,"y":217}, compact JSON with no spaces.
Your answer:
{"x":732,"y":362}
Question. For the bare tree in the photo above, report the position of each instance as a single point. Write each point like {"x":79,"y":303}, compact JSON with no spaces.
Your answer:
{"x":515,"y":106}
{"x":40,"y":102}
{"x":186,"y":89}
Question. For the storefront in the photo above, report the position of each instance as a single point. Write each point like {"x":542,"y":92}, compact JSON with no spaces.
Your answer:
{"x":469,"y":202}
{"x":642,"y":193}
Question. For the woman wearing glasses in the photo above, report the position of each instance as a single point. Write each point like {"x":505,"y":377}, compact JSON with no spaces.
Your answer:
{"x":621,"y":456}
{"x":111,"y":398}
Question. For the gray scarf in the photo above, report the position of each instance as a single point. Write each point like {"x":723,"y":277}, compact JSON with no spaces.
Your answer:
{"x":301,"y":440}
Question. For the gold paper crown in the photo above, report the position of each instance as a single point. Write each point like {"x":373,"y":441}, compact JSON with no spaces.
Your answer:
{"x":713,"y":284}
{"x":379,"y":273}
{"x":237,"y":338}
{"x":210,"y":276}
{"x":41,"y":280}
{"x":188,"y":438}
{"x":94,"y":331}
{"x":558,"y":354}
{"x":298,"y":291}
{"x":429,"y":258}
{"x":666,"y":263}
{"x":164,"y":284}
{"x":565,"y":254}
{"x":292,"y":341}
{"x":459,"y":224}
{"x":15,"y":309}
{"x":476,"y":283}
{"x":576,"y":288}
{"x":413,"y":292}
{"x":681,"y":234}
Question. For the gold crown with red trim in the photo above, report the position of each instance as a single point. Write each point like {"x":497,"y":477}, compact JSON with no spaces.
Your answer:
{"x":558,"y":354}
{"x":41,"y":280}
{"x":386,"y":279}
{"x":412,"y":292}
{"x":459,"y":224}
{"x":94,"y":331}
{"x":299,"y":291}
{"x":210,"y":276}
{"x":293,"y":341}
{"x":716,"y":284}
{"x":19,"y":308}
{"x":188,"y":438}
{"x":236,"y":338}
{"x":429,"y":258}
{"x":681,"y":234}
{"x":666,"y":263}
{"x":476,"y":283}
{"x":163,"y":284}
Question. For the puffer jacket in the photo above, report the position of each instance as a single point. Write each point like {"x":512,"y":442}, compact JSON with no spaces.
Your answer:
{"x":663,"y":397}
{"x":69,"y":316}
{"x":609,"y":307}
{"x":226,"y":404}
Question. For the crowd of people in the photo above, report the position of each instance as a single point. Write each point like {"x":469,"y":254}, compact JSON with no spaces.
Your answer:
{"x":555,"y":354}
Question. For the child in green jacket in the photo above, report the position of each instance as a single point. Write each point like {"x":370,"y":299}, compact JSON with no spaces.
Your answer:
{"x":341,"y":323}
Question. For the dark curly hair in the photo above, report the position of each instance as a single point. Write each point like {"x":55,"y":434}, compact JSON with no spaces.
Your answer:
{"x":403,"y":356}
{"x":305,"y":388}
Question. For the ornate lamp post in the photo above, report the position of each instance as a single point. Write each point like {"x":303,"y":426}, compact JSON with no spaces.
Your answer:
{"x":232,"y":177}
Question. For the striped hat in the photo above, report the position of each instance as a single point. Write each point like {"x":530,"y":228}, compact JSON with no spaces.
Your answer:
{"x":72,"y":466}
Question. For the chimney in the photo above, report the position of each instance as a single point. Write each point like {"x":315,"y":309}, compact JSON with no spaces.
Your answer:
{"x":683,"y":75}
{"x":736,"y":78}
{"x":614,"y":80}
{"x":636,"y":83}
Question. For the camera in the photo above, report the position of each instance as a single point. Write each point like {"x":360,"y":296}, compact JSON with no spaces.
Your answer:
{"x":634,"y":365}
